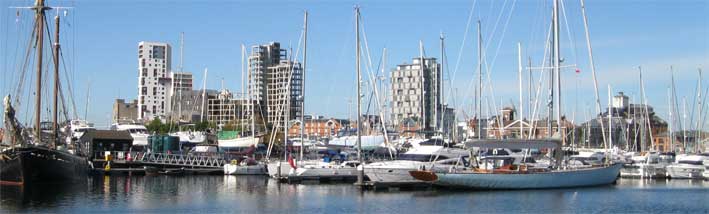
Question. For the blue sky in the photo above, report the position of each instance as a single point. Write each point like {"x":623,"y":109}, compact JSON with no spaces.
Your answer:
{"x":100,"y":41}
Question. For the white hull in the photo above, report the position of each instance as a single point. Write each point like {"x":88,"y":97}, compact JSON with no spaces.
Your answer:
{"x":542,"y":180}
{"x":335,"y":171}
{"x":235,"y":169}
{"x":242,"y":142}
{"x":644,"y":171}
{"x":310,"y":169}
{"x":685,"y":171}
{"x":278,"y":169}
{"x":398,"y":171}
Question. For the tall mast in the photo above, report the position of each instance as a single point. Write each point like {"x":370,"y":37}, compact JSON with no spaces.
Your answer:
{"x":179,"y":77}
{"x":684,"y":124}
{"x":698,"y":136}
{"x":39,"y":18}
{"x":480,"y":81}
{"x":557,"y":68}
{"x":423,"y":92}
{"x":252,"y":106}
{"x":302,"y":85}
{"x":439,"y":93}
{"x":242,"y":116}
{"x":204,"y":95}
{"x":593,"y":65}
{"x":360,"y":173}
{"x":610,"y":121}
{"x":55,"y":122}
{"x":521,"y":105}
{"x":669,"y":123}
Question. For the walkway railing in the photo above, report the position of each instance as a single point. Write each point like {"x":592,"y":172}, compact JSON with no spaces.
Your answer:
{"x":189,"y":160}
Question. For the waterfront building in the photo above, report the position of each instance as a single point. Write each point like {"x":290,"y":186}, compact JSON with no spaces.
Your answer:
{"x":317,"y":128}
{"x":154,"y":80}
{"x":274,"y":82}
{"x":634,"y":127}
{"x":188,"y":105}
{"x":125,"y":111}
{"x":416,"y":94}
{"x":223,"y":109}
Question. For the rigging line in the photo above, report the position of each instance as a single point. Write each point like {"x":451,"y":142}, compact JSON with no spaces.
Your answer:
{"x":465,"y":36}
{"x":23,"y":68}
{"x":494,"y":29}
{"x":541,"y":84}
{"x":372,"y":80}
{"x":29,"y":58}
{"x":286,"y":97}
{"x":570,"y":33}
{"x":504,"y":31}
{"x":71,"y":91}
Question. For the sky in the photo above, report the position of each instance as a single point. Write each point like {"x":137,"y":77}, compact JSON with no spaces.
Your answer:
{"x":100,"y":41}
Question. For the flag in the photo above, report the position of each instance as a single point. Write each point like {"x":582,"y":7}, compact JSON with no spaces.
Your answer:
{"x":291,"y":161}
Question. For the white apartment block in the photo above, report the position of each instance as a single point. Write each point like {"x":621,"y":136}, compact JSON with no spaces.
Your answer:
{"x":154,"y":80}
{"x":416,"y":93}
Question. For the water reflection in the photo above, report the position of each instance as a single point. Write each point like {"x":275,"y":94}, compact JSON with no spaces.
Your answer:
{"x":207,"y":194}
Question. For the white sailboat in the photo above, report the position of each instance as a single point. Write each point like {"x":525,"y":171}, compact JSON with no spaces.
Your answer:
{"x":243,"y":165}
{"x":520,"y":176}
{"x":434,"y":157}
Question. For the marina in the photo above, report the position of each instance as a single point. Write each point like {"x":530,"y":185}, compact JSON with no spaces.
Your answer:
{"x":220,"y":194}
{"x":516,"y":139}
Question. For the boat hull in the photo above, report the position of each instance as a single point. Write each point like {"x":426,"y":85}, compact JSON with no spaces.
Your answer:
{"x":397,"y":172}
{"x":542,"y":180}
{"x":685,"y":171}
{"x":235,"y":169}
{"x":644,"y":171}
{"x":21,"y":166}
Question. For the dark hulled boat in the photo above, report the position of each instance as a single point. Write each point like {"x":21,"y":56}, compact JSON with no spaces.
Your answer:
{"x":23,"y":165}
{"x":36,"y":157}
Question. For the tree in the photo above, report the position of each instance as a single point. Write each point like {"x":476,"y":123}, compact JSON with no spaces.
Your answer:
{"x":155,"y":125}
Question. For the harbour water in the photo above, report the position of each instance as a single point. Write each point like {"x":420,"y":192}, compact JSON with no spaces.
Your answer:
{"x":257,"y":194}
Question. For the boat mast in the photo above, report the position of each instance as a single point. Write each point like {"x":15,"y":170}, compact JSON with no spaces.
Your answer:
{"x":521,"y":105}
{"x":204,"y":95}
{"x":423,"y":92}
{"x":593,"y":65}
{"x":669,"y":123}
{"x":302,"y":86}
{"x":557,"y":69}
{"x":242,"y":116}
{"x":39,"y":18}
{"x":684,"y":124}
{"x":360,"y":170}
{"x":480,"y":81}
{"x":698,"y":136}
{"x":439,"y":93}
{"x":55,"y":121}
{"x":179,"y":77}
{"x":252,"y":106}
{"x":610,"y":121}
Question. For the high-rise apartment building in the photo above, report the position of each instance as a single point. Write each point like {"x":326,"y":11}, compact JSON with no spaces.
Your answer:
{"x":154,"y":80}
{"x":416,"y":94}
{"x":275,"y":83}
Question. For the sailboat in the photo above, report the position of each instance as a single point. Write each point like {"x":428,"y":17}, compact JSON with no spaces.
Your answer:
{"x":506,"y":175}
{"x":241,"y":163}
{"x":30,"y":156}
{"x":323,"y":168}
